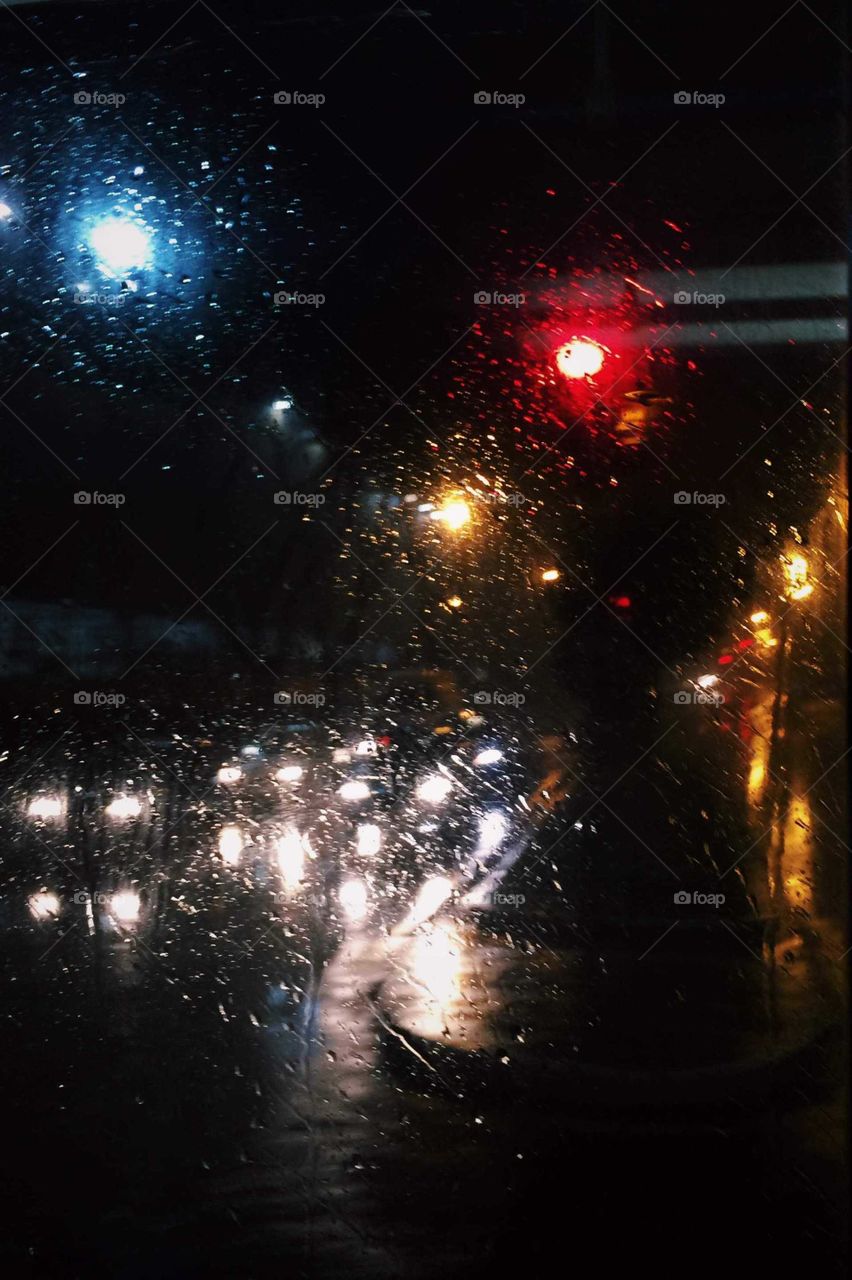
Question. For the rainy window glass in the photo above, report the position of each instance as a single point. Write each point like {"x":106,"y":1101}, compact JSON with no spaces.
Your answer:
{"x":423,"y":644}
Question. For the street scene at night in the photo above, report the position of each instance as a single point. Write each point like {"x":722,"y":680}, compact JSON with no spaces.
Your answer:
{"x":423,"y":747}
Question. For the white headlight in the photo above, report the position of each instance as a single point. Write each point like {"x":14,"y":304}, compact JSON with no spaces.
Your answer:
{"x":369,"y":839}
{"x":433,"y":893}
{"x":125,"y":906}
{"x":489,"y":756}
{"x":123,"y":807}
{"x":45,"y":807}
{"x":43,"y":905}
{"x":289,"y":773}
{"x":229,"y":773}
{"x":291,"y":858}
{"x":434,"y":789}
{"x":354,"y":791}
{"x":353,"y":898}
{"x":231,"y":845}
{"x":492,"y":829}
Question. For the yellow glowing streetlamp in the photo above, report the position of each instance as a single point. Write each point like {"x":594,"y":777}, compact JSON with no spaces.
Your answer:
{"x":550,"y":575}
{"x":454,"y":513}
{"x":796,"y":572}
{"x":762,"y":629}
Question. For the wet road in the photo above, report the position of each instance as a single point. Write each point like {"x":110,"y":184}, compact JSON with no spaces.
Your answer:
{"x":318,"y":1049}
{"x":423,"y":798}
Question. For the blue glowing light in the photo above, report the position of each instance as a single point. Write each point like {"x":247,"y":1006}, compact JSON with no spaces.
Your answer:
{"x":120,"y":245}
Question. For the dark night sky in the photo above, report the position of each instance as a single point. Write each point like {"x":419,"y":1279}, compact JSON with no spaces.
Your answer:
{"x":109,"y":382}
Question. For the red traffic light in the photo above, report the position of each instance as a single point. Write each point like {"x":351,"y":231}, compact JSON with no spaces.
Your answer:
{"x":580,"y":358}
